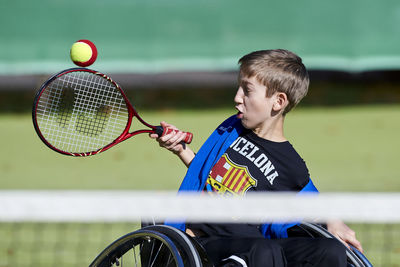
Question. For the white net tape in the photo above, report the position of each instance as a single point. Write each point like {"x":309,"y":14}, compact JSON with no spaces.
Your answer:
{"x":113,"y":206}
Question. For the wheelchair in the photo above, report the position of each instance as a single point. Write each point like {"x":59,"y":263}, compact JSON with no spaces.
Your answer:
{"x":166,"y":246}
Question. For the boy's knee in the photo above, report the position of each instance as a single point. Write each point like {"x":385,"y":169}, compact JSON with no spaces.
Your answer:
{"x":263,"y":251}
{"x":332,"y":251}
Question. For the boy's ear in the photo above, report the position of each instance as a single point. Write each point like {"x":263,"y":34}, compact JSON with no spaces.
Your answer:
{"x":281,"y":101}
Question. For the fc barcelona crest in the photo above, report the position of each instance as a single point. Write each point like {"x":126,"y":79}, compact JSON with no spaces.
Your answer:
{"x":228,"y":178}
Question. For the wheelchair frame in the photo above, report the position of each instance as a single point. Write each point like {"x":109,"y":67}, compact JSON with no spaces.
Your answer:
{"x":166,"y":246}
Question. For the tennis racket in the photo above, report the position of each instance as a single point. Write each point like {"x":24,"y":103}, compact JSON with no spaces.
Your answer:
{"x":81,"y":112}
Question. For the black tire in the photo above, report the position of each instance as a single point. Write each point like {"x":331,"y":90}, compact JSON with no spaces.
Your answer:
{"x":143,"y":248}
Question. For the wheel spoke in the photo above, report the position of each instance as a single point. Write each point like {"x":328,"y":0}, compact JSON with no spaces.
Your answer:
{"x":134,"y":255}
{"x":157,"y":254}
{"x":151,"y":253}
{"x":169,"y":259}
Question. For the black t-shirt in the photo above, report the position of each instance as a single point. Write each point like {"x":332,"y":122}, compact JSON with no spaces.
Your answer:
{"x":252,"y":163}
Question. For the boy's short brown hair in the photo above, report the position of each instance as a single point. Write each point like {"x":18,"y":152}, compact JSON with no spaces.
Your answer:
{"x":280,"y":71}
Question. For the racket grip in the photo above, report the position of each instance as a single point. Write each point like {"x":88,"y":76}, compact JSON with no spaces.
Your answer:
{"x":163,"y":131}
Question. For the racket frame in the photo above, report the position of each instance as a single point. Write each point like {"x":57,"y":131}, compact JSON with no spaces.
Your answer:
{"x":122,"y":137}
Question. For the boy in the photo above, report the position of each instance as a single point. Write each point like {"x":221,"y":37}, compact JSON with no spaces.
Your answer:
{"x":249,"y":152}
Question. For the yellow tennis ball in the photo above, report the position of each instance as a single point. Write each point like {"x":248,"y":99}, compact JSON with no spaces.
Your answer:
{"x":83,"y":53}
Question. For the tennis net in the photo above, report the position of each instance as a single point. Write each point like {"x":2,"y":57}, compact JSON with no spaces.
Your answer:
{"x":69,"y":228}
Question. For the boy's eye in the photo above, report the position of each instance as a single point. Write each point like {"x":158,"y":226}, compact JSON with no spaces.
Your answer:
{"x":246,"y":89}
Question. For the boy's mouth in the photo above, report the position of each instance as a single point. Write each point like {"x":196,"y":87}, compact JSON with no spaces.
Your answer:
{"x":239,"y":115}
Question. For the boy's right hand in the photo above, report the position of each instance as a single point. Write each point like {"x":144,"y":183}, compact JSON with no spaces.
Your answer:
{"x":172,"y":141}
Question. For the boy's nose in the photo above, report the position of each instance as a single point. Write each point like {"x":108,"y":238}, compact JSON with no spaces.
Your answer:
{"x":239,"y":96}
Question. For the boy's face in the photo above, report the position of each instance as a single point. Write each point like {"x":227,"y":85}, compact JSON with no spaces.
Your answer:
{"x":254,"y":107}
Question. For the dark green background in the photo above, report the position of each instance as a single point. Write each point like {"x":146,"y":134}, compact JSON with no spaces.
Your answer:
{"x":161,"y":35}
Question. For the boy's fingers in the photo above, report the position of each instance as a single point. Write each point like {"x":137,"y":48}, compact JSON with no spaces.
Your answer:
{"x":167,"y":125}
{"x":355,"y":243}
{"x":176,"y":140}
{"x":172,"y":140}
{"x":153,"y":135}
{"x":166,"y":138}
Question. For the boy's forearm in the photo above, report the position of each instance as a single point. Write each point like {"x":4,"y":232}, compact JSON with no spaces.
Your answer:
{"x":186,"y":155}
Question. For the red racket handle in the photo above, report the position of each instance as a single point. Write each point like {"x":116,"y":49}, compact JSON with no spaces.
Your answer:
{"x":163,"y":131}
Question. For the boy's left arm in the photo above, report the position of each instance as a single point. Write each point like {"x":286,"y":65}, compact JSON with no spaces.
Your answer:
{"x":340,"y":230}
{"x":336,"y":227}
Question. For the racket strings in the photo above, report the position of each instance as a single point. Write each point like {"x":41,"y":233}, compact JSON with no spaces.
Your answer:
{"x":87,"y":124}
{"x":65,"y":107}
{"x":80,"y":112}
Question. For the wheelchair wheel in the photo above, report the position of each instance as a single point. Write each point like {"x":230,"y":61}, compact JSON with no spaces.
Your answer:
{"x":187,"y":245}
{"x":354,"y":257}
{"x":142,"y":248}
